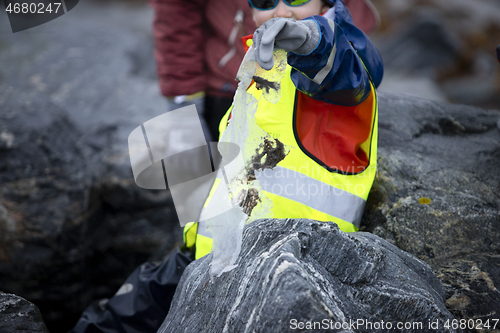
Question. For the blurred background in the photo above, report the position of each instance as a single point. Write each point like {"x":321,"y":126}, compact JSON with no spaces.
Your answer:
{"x":441,"y":49}
{"x":73,"y":224}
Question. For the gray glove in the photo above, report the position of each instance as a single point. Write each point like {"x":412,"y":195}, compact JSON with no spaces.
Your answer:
{"x":301,"y":37}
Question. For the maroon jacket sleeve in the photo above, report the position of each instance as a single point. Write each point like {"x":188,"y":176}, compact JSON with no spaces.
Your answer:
{"x":179,"y":49}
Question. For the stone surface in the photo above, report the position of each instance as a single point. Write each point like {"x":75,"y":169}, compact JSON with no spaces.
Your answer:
{"x":73,"y":223}
{"x":306,"y":270}
{"x":17,"y":315}
{"x":437,"y":196}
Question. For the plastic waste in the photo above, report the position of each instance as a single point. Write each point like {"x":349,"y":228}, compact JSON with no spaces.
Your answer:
{"x":244,"y":201}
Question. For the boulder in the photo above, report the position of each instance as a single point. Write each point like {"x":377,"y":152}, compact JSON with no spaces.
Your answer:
{"x":422,"y":45}
{"x":437,"y":196}
{"x":17,"y":315}
{"x":294,"y":274}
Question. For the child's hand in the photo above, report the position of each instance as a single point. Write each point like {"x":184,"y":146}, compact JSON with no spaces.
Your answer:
{"x":300,"y":37}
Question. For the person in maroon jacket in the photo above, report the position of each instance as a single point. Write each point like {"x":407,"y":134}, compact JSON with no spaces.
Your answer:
{"x":199,"y":51}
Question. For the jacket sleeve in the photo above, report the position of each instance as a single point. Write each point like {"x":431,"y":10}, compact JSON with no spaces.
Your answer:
{"x":179,"y":45}
{"x":338,"y":71}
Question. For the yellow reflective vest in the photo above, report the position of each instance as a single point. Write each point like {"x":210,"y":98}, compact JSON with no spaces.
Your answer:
{"x":329,"y":171}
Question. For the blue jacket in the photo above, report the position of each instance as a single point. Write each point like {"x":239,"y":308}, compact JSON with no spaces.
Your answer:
{"x":347,"y":80}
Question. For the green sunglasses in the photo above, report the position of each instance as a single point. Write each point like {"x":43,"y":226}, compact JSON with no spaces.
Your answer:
{"x":270,"y":4}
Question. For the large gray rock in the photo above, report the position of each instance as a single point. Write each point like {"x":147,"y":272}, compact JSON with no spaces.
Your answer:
{"x":73,"y":223}
{"x":17,"y":315}
{"x":437,"y":196}
{"x":450,"y":43}
{"x":421,"y":47}
{"x":298,"y":271}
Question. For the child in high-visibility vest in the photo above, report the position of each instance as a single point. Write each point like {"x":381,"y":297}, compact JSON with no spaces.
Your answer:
{"x":327,"y":114}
